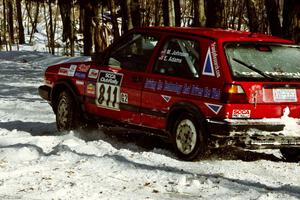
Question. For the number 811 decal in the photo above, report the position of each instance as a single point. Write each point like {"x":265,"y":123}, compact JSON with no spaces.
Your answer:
{"x":108,"y":90}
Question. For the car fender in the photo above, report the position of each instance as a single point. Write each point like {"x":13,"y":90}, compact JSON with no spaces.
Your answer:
{"x":65,"y":84}
{"x":180,"y":107}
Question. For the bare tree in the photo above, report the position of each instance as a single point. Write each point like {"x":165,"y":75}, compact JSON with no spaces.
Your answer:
{"x":66,"y":16}
{"x":20,"y":22}
{"x":199,"y":13}
{"x":10,"y":21}
{"x":252,"y":16}
{"x":273,"y":18}
{"x":291,"y":11}
{"x":114,"y":20}
{"x":214,"y":13}
{"x":177,"y":12}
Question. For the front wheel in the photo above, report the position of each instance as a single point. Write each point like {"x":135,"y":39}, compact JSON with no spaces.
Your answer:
{"x":66,"y":112}
{"x":189,"y":137}
{"x":291,"y":154}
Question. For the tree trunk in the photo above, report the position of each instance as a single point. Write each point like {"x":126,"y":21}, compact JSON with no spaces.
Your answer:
{"x":290,"y":9}
{"x":214,"y":13}
{"x":20,"y":22}
{"x":272,"y":13}
{"x":51,"y":32}
{"x":171,"y":13}
{"x":81,"y":19}
{"x":10,"y":21}
{"x":114,"y":21}
{"x":165,"y":8}
{"x":135,"y":13}
{"x":177,"y":11}
{"x":124,"y":13}
{"x":34,"y":21}
{"x":129,"y":17}
{"x":4,"y":24}
{"x":252,"y":16}
{"x":199,"y":13}
{"x":87,"y":26}
{"x":157,"y":8}
{"x":66,"y":16}
{"x":47,"y":30}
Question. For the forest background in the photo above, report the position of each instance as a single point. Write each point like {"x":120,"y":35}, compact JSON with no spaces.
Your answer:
{"x":82,"y":27}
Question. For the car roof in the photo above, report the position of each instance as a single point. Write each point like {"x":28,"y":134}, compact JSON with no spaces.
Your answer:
{"x":219,"y":34}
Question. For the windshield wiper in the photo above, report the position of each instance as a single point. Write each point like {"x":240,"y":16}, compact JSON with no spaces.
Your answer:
{"x":253,"y":68}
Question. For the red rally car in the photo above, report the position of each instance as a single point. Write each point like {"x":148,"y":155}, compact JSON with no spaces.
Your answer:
{"x":200,"y":87}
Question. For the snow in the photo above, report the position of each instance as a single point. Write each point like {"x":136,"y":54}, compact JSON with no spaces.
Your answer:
{"x":37,"y":162}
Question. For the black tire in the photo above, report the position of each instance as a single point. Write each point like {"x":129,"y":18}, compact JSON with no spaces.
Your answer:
{"x":291,"y":154}
{"x":189,"y":137}
{"x":67,"y":113}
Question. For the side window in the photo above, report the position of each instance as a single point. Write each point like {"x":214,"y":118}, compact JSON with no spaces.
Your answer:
{"x":133,"y":53}
{"x":180,"y":58}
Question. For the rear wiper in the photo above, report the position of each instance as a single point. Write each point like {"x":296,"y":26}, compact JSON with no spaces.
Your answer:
{"x":253,"y":68}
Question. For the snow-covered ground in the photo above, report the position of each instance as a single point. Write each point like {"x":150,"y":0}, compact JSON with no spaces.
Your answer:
{"x":36,"y":162}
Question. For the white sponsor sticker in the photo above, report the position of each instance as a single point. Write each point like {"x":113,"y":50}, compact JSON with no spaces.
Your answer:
{"x":241,"y":113}
{"x":108,"y":90}
{"x":93,"y":73}
{"x":72,"y":70}
{"x":63,"y":71}
{"x":79,"y":82}
{"x":124,"y":98}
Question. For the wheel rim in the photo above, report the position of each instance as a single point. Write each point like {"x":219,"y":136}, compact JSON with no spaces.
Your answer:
{"x":62,"y":114}
{"x":186,"y":136}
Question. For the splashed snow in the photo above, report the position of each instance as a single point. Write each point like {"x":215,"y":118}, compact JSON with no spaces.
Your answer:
{"x":291,"y":128}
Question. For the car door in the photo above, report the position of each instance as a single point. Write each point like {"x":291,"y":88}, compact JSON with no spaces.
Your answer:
{"x":174,"y":73}
{"x":119,"y":85}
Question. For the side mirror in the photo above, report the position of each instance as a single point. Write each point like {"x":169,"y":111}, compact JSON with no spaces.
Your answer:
{"x":98,"y":58}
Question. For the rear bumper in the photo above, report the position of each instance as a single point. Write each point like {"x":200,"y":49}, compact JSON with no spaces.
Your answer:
{"x":255,"y":133}
{"x":44,"y":92}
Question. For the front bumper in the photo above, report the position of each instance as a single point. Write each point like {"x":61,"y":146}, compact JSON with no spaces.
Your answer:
{"x":44,"y":92}
{"x":255,"y":133}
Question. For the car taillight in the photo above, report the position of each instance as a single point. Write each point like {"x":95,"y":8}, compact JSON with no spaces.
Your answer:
{"x":234,"y":93}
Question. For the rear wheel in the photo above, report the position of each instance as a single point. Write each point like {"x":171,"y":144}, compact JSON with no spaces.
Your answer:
{"x":291,"y":154}
{"x":67,"y":113}
{"x":189,"y":138}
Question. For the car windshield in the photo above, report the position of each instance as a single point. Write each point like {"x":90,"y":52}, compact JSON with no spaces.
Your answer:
{"x":263,"y":61}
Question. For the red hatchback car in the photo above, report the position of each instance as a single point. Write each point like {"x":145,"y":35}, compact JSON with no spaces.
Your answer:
{"x":200,"y":87}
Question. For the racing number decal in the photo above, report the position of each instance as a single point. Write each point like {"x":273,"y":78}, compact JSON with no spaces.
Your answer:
{"x":108,"y":90}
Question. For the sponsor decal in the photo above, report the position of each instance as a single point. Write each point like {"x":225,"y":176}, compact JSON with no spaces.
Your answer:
{"x":110,"y":78}
{"x":186,"y":89}
{"x":83,"y":68}
{"x":124,"y":98}
{"x":80,"y":75}
{"x":91,"y":89}
{"x":173,"y":56}
{"x":63,"y":71}
{"x":214,"y":107}
{"x":208,"y":68}
{"x":72,"y":70}
{"x":79,"y":82}
{"x":93,"y":73}
{"x":108,"y":90}
{"x":215,"y":59}
{"x":240,"y":113}
{"x":166,"y":98}
{"x":211,"y":66}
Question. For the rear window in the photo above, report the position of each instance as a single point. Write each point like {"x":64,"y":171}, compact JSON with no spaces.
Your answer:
{"x":272,"y":62}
